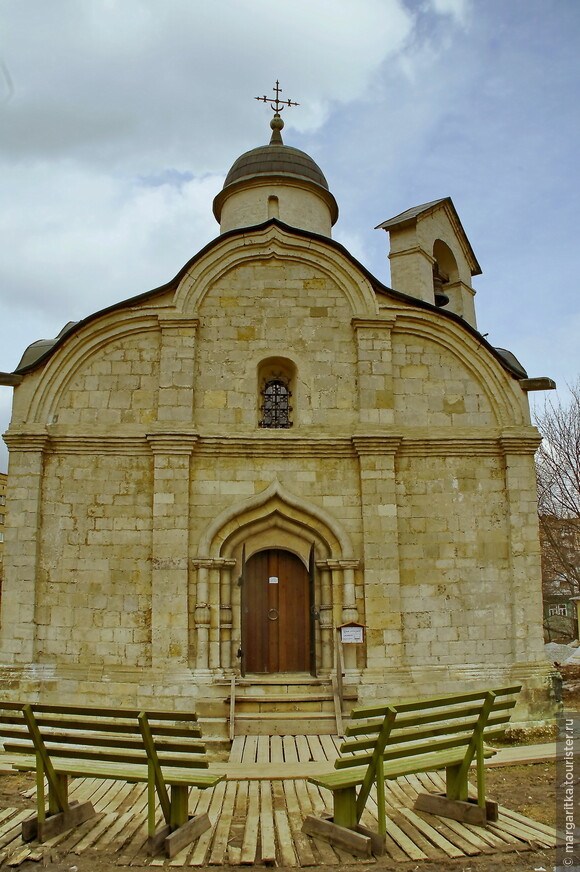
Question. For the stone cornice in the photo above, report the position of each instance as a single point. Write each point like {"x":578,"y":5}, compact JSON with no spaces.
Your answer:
{"x":519,"y":444}
{"x":406,"y":443}
{"x":167,"y":320}
{"x":26,"y":441}
{"x":374,"y":323}
{"x":172,"y":443}
{"x":212,"y":562}
{"x":376,"y":444}
{"x":278,"y":446}
{"x":338,"y":564}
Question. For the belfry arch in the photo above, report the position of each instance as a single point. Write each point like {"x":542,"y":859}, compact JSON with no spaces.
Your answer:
{"x":274,"y":520}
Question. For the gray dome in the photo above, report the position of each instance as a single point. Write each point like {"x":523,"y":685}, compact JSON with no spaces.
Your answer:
{"x":276,"y":160}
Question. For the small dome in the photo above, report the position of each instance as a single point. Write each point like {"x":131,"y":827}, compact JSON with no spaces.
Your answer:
{"x":276,"y":181}
{"x":276,"y":160}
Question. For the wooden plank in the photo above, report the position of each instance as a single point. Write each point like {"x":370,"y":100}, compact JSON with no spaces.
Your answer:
{"x":186,"y":834}
{"x":432,"y":834}
{"x":215,"y":802}
{"x":303,"y":749}
{"x":222,"y":829}
{"x":416,"y":838}
{"x":341,"y":837}
{"x":316,"y":750}
{"x":516,"y":816}
{"x":295,"y":819}
{"x":95,"y":833}
{"x":250,"y":841}
{"x":237,"y":749}
{"x":114,"y":837}
{"x":238,"y":825}
{"x":468,"y":835}
{"x":287,"y":854}
{"x":6,"y":822}
{"x":11,"y":830}
{"x":290,"y":752}
{"x":267,"y":831}
{"x":263,"y":749}
{"x":326,"y":854}
{"x":522,"y":831}
{"x":250,"y":749}
{"x":276,"y":749}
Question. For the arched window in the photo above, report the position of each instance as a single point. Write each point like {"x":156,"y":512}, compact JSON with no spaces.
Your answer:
{"x":275,"y":380}
{"x":276,"y":406}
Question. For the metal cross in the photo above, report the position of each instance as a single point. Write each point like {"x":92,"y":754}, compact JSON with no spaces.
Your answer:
{"x":277,"y":105}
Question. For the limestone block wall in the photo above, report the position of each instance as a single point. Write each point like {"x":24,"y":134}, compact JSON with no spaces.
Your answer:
{"x":274,"y":309}
{"x":93,"y":599}
{"x":454,"y":553}
{"x":116,"y":386}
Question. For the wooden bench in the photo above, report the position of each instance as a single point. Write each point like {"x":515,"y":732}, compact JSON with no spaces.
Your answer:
{"x":387,"y":741}
{"x":161,"y":749}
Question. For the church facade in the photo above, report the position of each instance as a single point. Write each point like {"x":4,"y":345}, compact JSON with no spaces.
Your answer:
{"x":209,"y":479}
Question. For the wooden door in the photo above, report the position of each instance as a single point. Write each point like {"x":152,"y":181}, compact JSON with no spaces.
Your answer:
{"x":276,"y":614}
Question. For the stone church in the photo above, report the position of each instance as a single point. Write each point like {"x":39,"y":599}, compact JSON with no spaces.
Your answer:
{"x":274,"y":469}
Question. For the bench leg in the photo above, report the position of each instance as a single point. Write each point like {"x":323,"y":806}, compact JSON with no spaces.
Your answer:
{"x":345,"y":808}
{"x":181,"y":829}
{"x":456,"y":783}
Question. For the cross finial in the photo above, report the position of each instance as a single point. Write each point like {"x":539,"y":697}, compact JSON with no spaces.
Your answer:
{"x":277,"y":104}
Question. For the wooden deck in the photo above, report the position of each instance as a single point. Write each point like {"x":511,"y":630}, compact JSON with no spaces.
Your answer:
{"x":257,"y":816}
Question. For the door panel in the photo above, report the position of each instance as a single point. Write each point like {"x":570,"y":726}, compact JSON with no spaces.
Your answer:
{"x":276,"y":630}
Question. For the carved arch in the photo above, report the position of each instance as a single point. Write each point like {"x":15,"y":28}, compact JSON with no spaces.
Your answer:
{"x":273,"y":242}
{"x":278,"y":509}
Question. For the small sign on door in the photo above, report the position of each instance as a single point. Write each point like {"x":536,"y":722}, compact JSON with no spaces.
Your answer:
{"x":273,"y":579}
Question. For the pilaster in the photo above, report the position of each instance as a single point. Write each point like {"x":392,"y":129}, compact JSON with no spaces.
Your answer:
{"x":176,"y":369}
{"x":375,"y":368}
{"x":170,"y":546}
{"x":524,"y":550}
{"x":381,"y":548}
{"x":21,"y":554}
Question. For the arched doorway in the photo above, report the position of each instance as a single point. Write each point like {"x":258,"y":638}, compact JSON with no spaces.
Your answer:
{"x":277,"y":613}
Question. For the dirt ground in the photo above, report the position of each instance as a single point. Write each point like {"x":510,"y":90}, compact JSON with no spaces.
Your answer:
{"x":529,"y":789}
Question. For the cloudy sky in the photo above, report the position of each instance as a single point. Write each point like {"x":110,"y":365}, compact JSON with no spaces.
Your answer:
{"x":120,"y":118}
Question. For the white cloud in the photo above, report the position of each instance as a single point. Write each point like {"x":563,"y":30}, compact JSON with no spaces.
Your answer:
{"x":457,"y":9}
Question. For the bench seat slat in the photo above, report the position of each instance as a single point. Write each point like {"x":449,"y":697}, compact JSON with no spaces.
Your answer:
{"x":121,"y":727}
{"x":430,"y":702}
{"x":112,"y":757}
{"x":95,"y":711}
{"x":342,"y":778}
{"x":356,"y":729}
{"x":124,"y":772}
{"x":401,"y":736}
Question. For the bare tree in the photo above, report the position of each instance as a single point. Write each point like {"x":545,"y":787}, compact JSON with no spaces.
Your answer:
{"x":558,"y":473}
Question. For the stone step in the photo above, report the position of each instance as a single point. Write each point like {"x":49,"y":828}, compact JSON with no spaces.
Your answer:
{"x":289,"y":698}
{"x":289,"y":724}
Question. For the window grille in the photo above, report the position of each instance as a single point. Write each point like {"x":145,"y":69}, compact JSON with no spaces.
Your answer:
{"x":276,"y":406}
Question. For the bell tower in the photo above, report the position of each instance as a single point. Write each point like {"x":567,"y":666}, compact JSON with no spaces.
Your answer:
{"x":432,"y":258}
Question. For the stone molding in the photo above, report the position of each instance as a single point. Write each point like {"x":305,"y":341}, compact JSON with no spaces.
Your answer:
{"x":175,"y":320}
{"x":519,"y":444}
{"x":384,"y":322}
{"x":275,"y":446}
{"x":377,"y":444}
{"x":188,"y":443}
{"x":37,"y":442}
{"x":172,"y":443}
{"x":338,"y":564}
